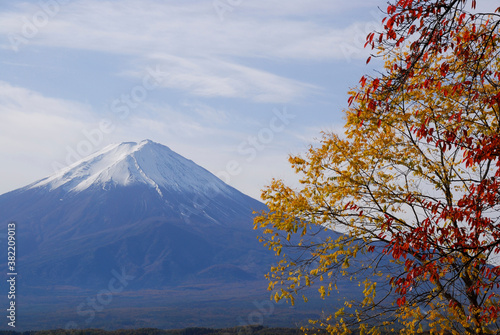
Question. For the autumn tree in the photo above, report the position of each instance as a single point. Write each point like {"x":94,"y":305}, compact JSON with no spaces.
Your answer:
{"x":413,"y":184}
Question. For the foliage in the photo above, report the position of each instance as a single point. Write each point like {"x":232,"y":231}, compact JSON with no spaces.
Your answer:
{"x":415,"y":180}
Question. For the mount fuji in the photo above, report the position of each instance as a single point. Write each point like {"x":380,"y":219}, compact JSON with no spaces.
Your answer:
{"x":135,"y":206}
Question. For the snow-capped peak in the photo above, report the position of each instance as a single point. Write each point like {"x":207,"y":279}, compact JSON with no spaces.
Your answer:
{"x":130,"y":163}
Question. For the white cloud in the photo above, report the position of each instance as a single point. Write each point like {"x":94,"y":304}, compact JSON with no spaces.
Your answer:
{"x":306,"y":8}
{"x":215,"y":78}
{"x":189,"y":29}
{"x":32,"y":128}
{"x":203,"y":53}
{"x":207,"y":113}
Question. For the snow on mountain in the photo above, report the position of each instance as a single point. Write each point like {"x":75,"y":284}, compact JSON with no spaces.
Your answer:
{"x":131,"y":163}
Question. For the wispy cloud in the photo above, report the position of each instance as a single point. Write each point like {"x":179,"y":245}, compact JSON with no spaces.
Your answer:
{"x":216,"y":78}
{"x":262,"y":29}
{"x":32,"y":128}
{"x":207,"y":113}
{"x":202,"y":55}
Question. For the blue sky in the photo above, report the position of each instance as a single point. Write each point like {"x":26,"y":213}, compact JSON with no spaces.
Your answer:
{"x":234,"y":85}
